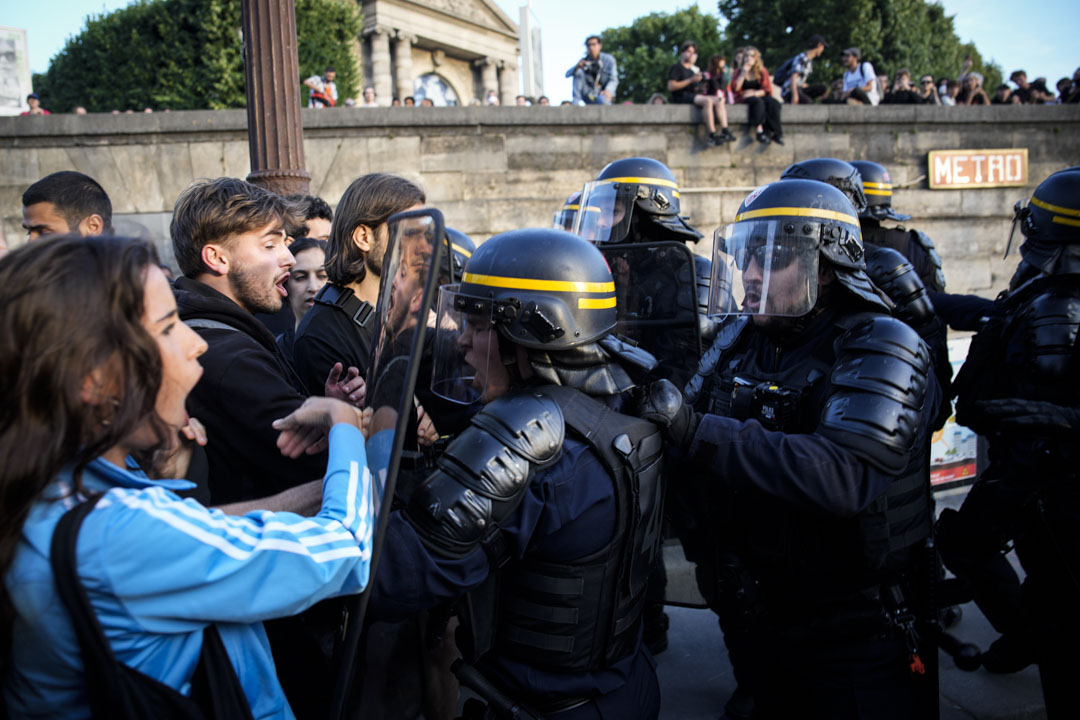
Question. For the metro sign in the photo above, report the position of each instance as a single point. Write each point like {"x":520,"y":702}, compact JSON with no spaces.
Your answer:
{"x":962,"y":169}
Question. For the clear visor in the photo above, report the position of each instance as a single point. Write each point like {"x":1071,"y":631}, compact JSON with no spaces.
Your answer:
{"x":758,"y":270}
{"x":564,"y":219}
{"x":604,"y":211}
{"x":465,"y":346}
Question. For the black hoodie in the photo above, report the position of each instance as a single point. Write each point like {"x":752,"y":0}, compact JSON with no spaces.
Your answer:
{"x":247,"y":384}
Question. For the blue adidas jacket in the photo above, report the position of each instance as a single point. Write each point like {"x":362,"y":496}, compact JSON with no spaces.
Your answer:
{"x":158,"y":569}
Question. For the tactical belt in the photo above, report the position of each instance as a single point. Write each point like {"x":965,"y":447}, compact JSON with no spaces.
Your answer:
{"x":346,"y":301}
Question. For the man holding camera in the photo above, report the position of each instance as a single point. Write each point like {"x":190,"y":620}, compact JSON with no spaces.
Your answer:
{"x":595,"y":75}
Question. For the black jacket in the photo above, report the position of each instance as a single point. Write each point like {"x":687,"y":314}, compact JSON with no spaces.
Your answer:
{"x":247,"y":383}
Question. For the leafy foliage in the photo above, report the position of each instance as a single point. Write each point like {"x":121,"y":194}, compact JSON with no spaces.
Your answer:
{"x":892,"y":34}
{"x":185,"y":55}
{"x":646,"y":49}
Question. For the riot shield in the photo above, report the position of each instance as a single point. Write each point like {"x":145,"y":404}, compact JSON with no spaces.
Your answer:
{"x":414,"y":256}
{"x":656,"y":291}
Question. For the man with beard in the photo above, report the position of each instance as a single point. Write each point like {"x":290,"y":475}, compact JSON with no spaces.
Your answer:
{"x":338,"y":327}
{"x":229,"y":241}
{"x":809,"y":460}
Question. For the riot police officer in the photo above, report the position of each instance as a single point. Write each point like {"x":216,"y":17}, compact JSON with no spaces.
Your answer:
{"x":812,"y":448}
{"x":564,"y":217}
{"x":545,"y":511}
{"x":1019,"y":388}
{"x":889,"y":263}
{"x":914,"y":245}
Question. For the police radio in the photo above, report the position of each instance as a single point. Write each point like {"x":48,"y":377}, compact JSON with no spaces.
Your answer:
{"x":774,"y":406}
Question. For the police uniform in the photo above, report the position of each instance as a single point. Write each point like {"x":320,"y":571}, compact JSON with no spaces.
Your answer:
{"x":1019,"y":389}
{"x":813,"y":448}
{"x":544,"y":513}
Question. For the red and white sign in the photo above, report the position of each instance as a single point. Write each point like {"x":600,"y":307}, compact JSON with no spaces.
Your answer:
{"x":962,"y":169}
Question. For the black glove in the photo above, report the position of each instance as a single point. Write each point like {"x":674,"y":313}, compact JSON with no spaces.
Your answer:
{"x":662,"y":403}
{"x":1030,"y":414}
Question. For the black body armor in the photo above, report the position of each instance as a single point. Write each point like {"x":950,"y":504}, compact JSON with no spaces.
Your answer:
{"x":861,"y":384}
{"x":575,"y":616}
{"x":916,"y":246}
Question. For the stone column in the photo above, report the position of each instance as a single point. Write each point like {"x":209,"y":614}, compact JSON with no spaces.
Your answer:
{"x":489,"y":78}
{"x":275,"y":135}
{"x":380,"y":64}
{"x":508,"y":82}
{"x":403,"y":64}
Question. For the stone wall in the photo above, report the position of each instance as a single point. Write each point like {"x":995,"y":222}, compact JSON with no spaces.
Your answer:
{"x":497,"y":168}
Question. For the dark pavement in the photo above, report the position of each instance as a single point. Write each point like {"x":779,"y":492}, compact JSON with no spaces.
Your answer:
{"x":696,"y":679}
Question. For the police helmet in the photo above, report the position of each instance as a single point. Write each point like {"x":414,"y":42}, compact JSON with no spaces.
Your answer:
{"x":564,"y":217}
{"x":766,"y":262}
{"x":461,"y":249}
{"x":878,"y":189}
{"x":544,"y":289}
{"x":1050,"y":221}
{"x":839,"y":174}
{"x":628,"y":192}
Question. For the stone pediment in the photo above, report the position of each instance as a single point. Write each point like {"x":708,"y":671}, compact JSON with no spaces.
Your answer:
{"x":484,"y":13}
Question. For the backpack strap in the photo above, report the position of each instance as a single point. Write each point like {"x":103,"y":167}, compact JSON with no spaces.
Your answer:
{"x":115,"y":690}
{"x":346,"y":301}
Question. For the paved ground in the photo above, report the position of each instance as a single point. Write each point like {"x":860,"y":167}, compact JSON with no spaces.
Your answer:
{"x":696,"y":679}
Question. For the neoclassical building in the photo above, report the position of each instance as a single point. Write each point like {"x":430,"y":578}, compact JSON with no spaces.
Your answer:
{"x":451,"y":51}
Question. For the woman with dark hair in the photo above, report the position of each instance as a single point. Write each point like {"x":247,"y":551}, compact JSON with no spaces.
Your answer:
{"x":306,"y":279}
{"x":338,"y":326}
{"x":97,"y":368}
{"x":753,"y":86}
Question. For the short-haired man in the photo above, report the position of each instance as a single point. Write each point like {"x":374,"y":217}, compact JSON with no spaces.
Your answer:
{"x":792,"y":74}
{"x":229,"y":241}
{"x":323,"y":89}
{"x":66,"y":202}
{"x":860,"y":80}
{"x":315,"y":217}
{"x":369,"y":98}
{"x":595,"y":75}
{"x":1022,"y":93}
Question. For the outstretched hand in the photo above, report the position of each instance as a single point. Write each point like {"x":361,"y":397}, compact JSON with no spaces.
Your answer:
{"x":351,"y":388}
{"x":661,"y":403}
{"x":173,"y":461}
{"x":305,"y":429}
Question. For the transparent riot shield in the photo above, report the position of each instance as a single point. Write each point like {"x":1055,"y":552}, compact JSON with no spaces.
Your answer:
{"x":415,"y":256}
{"x":656,"y":291}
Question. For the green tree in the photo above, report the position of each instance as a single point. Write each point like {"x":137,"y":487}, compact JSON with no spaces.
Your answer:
{"x":646,"y":49}
{"x":185,"y":55}
{"x":892,"y":34}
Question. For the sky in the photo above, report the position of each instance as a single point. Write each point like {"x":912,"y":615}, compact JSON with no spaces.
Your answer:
{"x":1035,"y":36}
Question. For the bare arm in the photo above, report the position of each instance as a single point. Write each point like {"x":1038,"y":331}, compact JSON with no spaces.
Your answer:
{"x":303,"y":500}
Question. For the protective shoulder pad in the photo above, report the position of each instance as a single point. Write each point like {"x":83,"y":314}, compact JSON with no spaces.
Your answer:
{"x":891,"y":272}
{"x":483,"y":474}
{"x":1053,"y":319}
{"x":878,"y":388}
{"x":935,"y":277}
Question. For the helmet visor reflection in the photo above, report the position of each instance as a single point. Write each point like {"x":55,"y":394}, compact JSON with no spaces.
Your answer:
{"x":758,"y":270}
{"x":604,"y":211}
{"x":463,"y":336}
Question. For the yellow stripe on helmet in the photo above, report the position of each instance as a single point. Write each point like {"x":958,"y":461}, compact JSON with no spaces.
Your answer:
{"x":797,"y":212}
{"x":574,"y":286}
{"x":640,"y":181}
{"x":1054,"y":208}
{"x":1065,"y":221}
{"x":876,"y":185}
{"x":596,"y":303}
{"x":458,"y":248}
{"x":886,"y":193}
